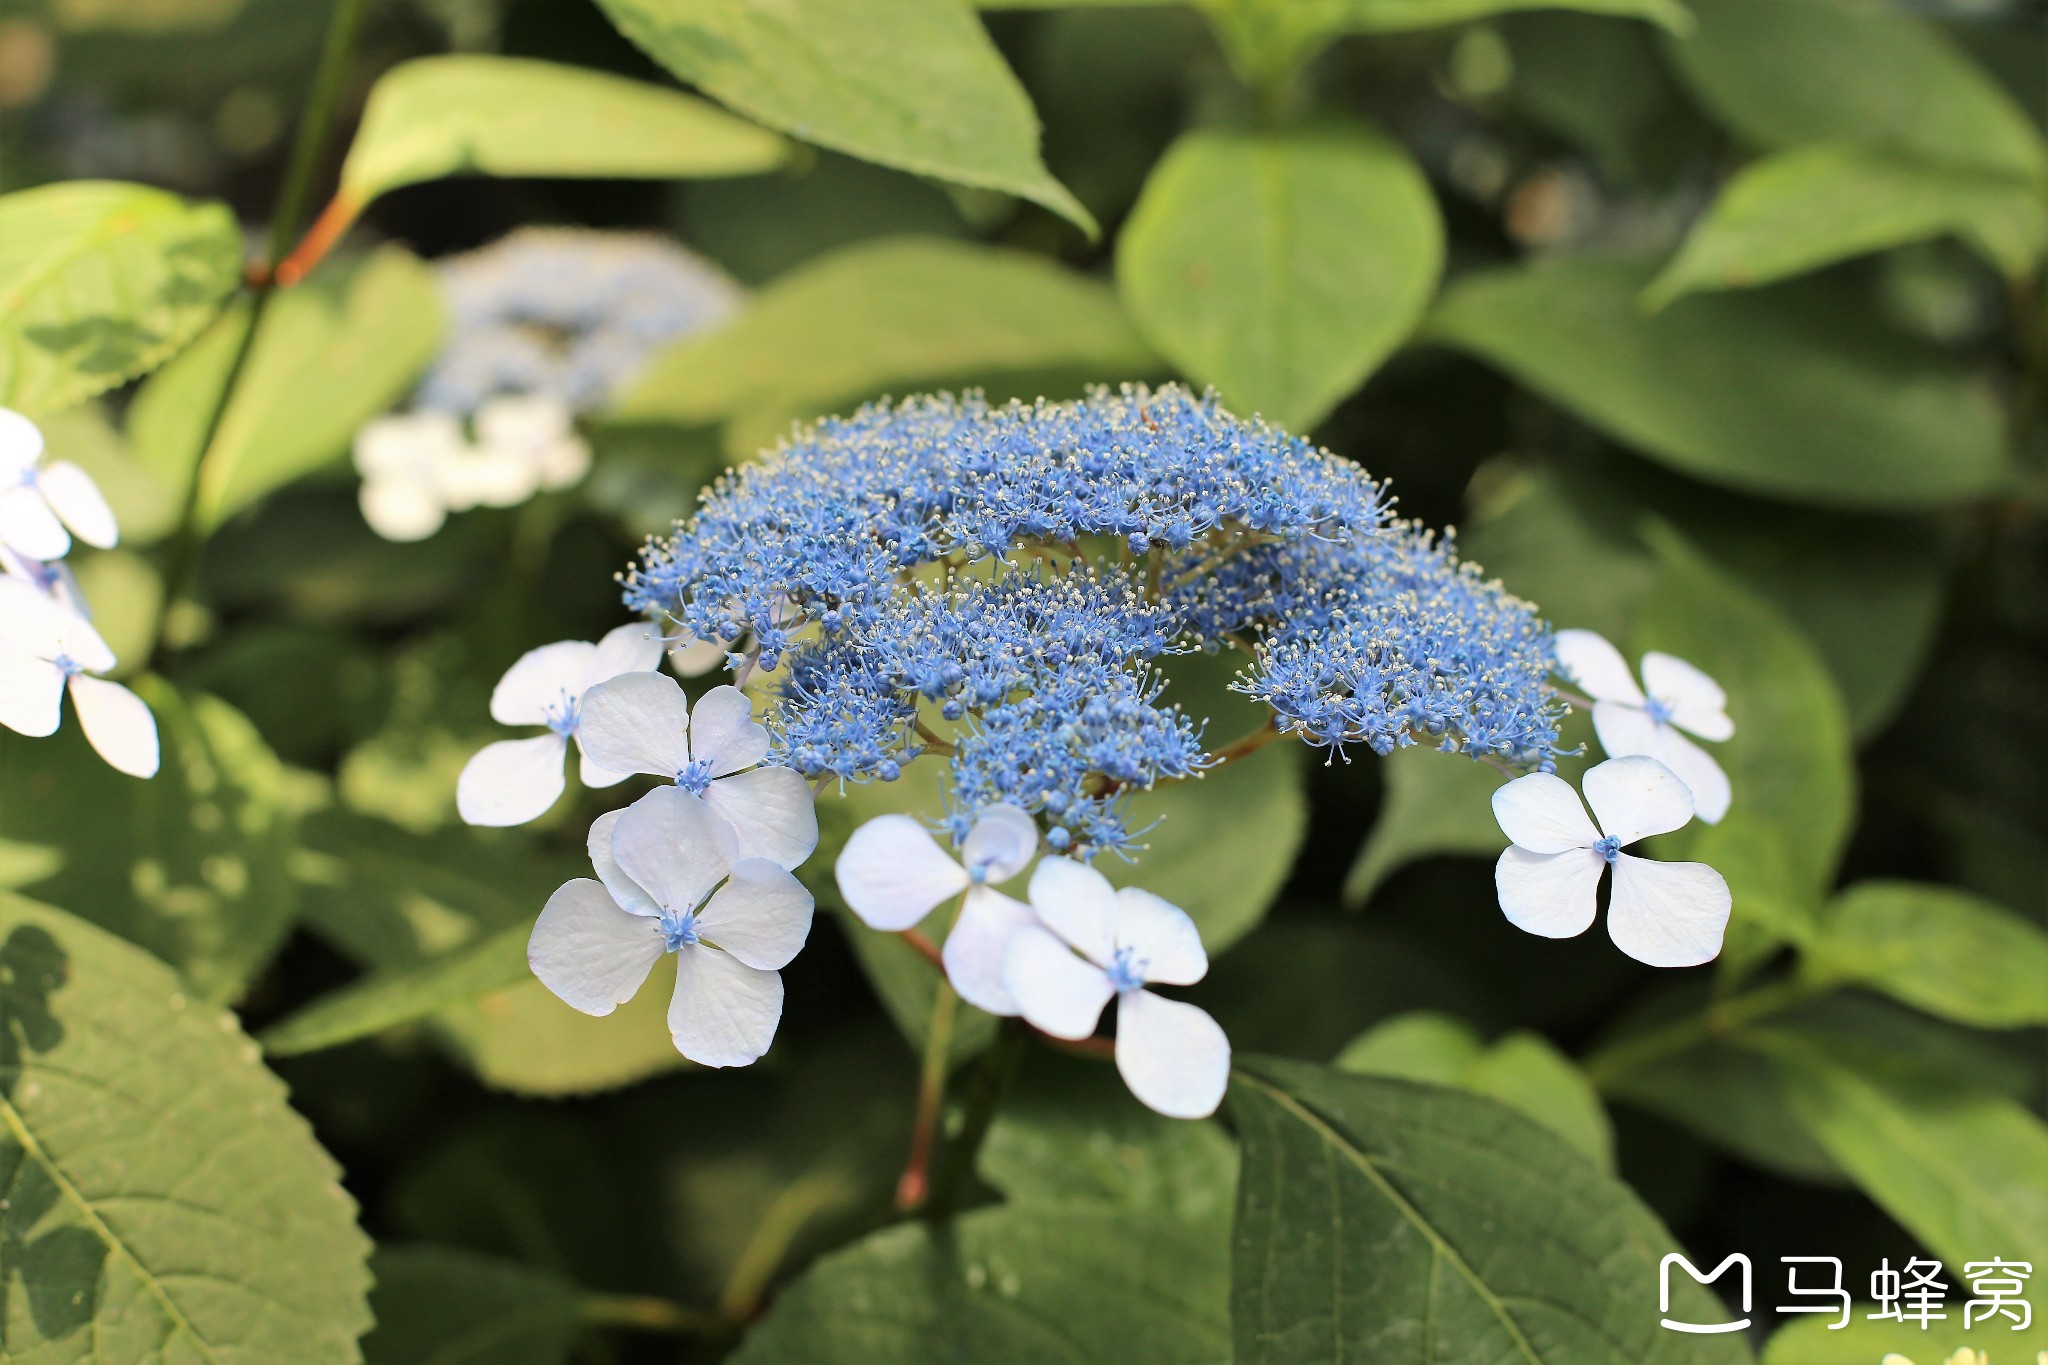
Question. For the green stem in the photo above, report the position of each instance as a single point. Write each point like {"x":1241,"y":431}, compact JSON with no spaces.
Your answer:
{"x":985,"y":1091}
{"x":913,"y":1187}
{"x":1609,"y":1064}
{"x":342,"y":27}
{"x":646,"y":1314}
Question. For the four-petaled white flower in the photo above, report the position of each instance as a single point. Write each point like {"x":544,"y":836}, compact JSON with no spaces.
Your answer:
{"x":38,"y":502}
{"x":47,"y":650}
{"x":1173,"y":1055}
{"x":658,"y":862}
{"x":52,"y":578}
{"x":642,"y":723}
{"x":1665,"y":914}
{"x":1646,"y":720}
{"x":893,"y":873}
{"x":516,"y":780}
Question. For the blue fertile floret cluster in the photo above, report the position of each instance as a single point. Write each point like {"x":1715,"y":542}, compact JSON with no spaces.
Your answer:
{"x":1004,"y":580}
{"x":569,"y":313}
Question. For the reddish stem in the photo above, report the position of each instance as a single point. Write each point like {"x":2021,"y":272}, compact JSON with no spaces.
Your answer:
{"x":926,"y":949}
{"x":327,"y":229}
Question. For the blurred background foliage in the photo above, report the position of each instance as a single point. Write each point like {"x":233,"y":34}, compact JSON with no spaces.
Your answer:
{"x":1714,"y":327}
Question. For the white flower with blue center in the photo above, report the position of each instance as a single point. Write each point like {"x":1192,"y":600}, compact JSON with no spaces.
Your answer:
{"x":1093,"y":943}
{"x":669,"y":883}
{"x":643,"y":723}
{"x":1665,"y":914}
{"x":893,"y":873}
{"x":52,"y":578}
{"x":46,"y":651}
{"x":516,"y":780}
{"x":42,"y":506}
{"x":1646,"y":720}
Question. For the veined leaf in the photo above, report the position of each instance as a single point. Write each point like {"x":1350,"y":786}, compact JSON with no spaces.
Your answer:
{"x":1281,"y":267}
{"x":1939,"y":949}
{"x":1381,"y":1219}
{"x":914,"y":84}
{"x":389,"y":999}
{"x":101,"y":282}
{"x":1819,"y":1340}
{"x":510,"y":116}
{"x":163,"y":1200}
{"x":451,"y":1307}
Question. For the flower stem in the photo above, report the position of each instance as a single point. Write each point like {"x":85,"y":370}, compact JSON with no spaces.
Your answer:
{"x":914,"y":1185}
{"x":1611,"y":1063}
{"x":645,"y":1313}
{"x":985,"y":1090}
{"x":1248,"y":743}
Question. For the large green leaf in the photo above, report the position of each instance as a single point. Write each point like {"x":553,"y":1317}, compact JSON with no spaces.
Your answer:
{"x":1783,"y":72}
{"x":404,"y":996}
{"x":441,"y":1306}
{"x":191,"y":864}
{"x":914,"y":84}
{"x":1811,"y":206}
{"x":1733,"y":1099}
{"x":897,"y":311}
{"x":1790,"y":392}
{"x":1963,"y":1170}
{"x":1381,"y":1219}
{"x":1281,"y":267}
{"x":437,"y":116}
{"x":163,"y":1201}
{"x":1939,"y":949}
{"x":330,"y":355}
{"x":1433,"y":803}
{"x":1522,"y":1070}
{"x":100,"y":282}
{"x":1816,"y":1340}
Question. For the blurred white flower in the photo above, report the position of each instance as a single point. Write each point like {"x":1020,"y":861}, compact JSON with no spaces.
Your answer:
{"x":893,"y":873}
{"x":642,"y":723}
{"x":1646,"y":720}
{"x":1665,"y":914}
{"x":657,"y":862}
{"x":516,"y":780}
{"x":52,"y":578}
{"x":417,"y":467}
{"x":38,"y":501}
{"x":47,"y":650}
{"x":1173,"y":1055}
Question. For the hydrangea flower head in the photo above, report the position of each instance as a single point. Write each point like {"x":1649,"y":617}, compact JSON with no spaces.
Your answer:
{"x":1664,"y":914}
{"x":417,"y":467}
{"x":42,"y":506}
{"x":1646,"y":720}
{"x":47,"y":651}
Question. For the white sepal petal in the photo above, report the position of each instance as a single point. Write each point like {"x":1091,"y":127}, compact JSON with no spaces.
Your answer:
{"x":637,"y":723}
{"x":762,"y":915}
{"x":1636,"y":797}
{"x":1554,"y":895}
{"x":724,"y":1012}
{"x":542,"y":683}
{"x":976,"y":947}
{"x":1668,"y":914}
{"x":724,"y":733}
{"x":76,"y":499}
{"x":401,"y":509}
{"x":592,"y":776}
{"x":118,"y":723}
{"x":1077,"y":903}
{"x":693,"y":657}
{"x":1172,"y":1055}
{"x":29,"y":527}
{"x":631,"y":648}
{"x":674,"y":846}
{"x":31,"y":692}
{"x":1541,"y":813}
{"x":1697,"y":702}
{"x":1056,"y":991}
{"x":512,"y":781}
{"x":1587,"y":659}
{"x":631,"y":896}
{"x":771,"y":812}
{"x":1160,"y":934}
{"x":588,"y":951}
{"x":1697,"y":769}
{"x":1002,"y":843}
{"x":893,"y":873}
{"x":21,"y":444}
{"x":1626,"y":731}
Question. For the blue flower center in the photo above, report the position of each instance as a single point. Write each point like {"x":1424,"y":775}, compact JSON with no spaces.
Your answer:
{"x":68,"y":666}
{"x":1126,"y":970}
{"x":679,"y":928}
{"x":1608,"y":848}
{"x":695,"y":777}
{"x":1658,"y":710}
{"x":28,"y":477}
{"x":563,"y":714}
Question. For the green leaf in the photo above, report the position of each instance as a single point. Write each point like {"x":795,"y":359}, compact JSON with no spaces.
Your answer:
{"x":1434,"y":803}
{"x":1812,"y":206}
{"x":1813,"y":1340}
{"x":1789,"y":762}
{"x":1785,"y":72}
{"x":1380,"y":1217}
{"x":1790,"y":392}
{"x":1523,"y":1071}
{"x":914,"y":84}
{"x":897,"y":311}
{"x":331,"y":354}
{"x":1281,"y":267}
{"x":1733,"y":1099}
{"x":145,"y":507}
{"x":1964,"y":1171}
{"x":441,"y":1306}
{"x":191,"y":864}
{"x":164,"y":1201}
{"x":389,"y":999}
{"x":101,"y":282}
{"x":510,"y":116}
{"x":1938,"y":949}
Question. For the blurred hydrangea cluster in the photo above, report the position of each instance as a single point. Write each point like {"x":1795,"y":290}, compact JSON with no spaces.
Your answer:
{"x":1014,"y":573}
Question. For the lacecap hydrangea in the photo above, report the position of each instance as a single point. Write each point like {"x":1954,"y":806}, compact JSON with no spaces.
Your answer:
{"x":1005,"y":582}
